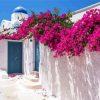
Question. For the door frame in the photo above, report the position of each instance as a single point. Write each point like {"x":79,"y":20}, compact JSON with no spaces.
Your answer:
{"x":35,"y":69}
{"x":22,"y":54}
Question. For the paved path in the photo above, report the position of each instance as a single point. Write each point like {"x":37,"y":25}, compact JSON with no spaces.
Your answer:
{"x":24,"y":93}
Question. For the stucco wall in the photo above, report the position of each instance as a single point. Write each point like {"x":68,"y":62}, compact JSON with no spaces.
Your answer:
{"x":3,"y":54}
{"x":28,"y":56}
{"x":77,"y":78}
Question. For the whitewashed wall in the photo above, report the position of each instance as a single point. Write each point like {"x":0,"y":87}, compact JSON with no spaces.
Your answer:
{"x":47,"y":70}
{"x":77,"y":78}
{"x":3,"y":54}
{"x":28,"y":56}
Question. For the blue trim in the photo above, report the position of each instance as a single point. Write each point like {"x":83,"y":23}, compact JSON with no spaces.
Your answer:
{"x":37,"y":55}
{"x":20,"y":11}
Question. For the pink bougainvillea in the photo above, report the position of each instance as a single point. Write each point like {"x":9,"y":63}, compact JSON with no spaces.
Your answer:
{"x":52,"y":36}
{"x":60,"y":34}
{"x":85,"y":32}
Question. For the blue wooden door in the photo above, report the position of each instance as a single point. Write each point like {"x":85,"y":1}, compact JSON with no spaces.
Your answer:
{"x":14,"y":57}
{"x":37,"y":56}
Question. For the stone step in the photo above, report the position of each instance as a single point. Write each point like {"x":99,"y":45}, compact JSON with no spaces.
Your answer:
{"x":35,"y":73}
{"x":30,"y":84}
{"x":31,"y":78}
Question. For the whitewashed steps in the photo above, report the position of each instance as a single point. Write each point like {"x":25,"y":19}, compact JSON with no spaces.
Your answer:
{"x":31,"y":78}
{"x":30,"y":82}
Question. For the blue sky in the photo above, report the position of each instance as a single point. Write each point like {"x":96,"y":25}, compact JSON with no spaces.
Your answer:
{"x":7,"y":6}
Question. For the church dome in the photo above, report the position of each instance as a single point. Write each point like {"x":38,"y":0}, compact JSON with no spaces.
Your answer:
{"x":20,"y":10}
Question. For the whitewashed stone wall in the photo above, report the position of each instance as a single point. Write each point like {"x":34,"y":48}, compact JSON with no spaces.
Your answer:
{"x":28,"y":56}
{"x":77,"y":78}
{"x":3,"y":55}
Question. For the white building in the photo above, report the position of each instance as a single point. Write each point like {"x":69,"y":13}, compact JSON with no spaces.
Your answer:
{"x":19,"y":14}
{"x":17,"y":56}
{"x":77,"y":78}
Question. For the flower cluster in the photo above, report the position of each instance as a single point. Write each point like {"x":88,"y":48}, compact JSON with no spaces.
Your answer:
{"x":26,"y":27}
{"x":85,"y":32}
{"x":23,"y":30}
{"x":94,"y":30}
{"x":60,"y":34}
{"x":52,"y":36}
{"x":50,"y":28}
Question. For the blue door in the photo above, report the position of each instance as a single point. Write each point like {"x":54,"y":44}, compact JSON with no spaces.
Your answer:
{"x":37,"y":56}
{"x":14,"y":57}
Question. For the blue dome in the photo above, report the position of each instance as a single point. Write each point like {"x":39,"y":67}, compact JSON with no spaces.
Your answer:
{"x":20,"y":10}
